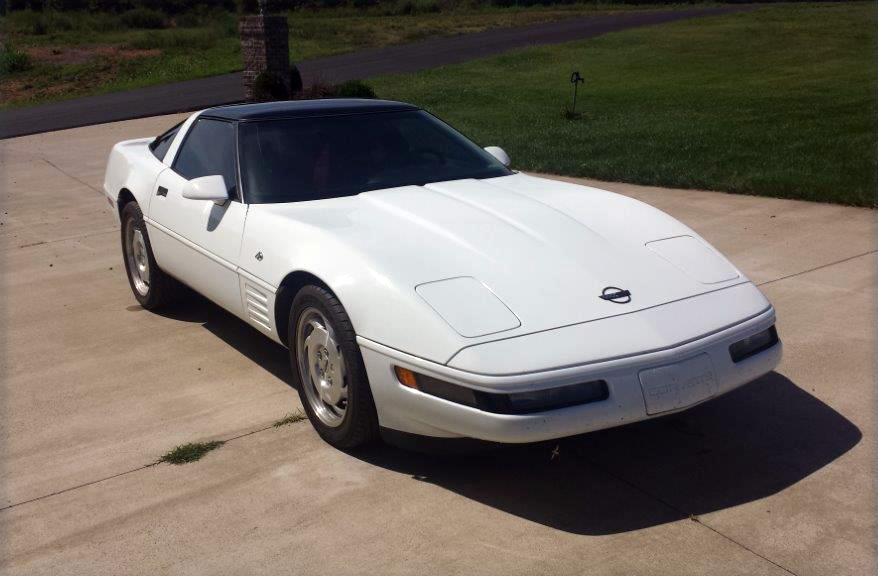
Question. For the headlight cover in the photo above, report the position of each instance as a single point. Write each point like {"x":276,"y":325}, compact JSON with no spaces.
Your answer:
{"x":754,"y":344}
{"x":501,"y":403}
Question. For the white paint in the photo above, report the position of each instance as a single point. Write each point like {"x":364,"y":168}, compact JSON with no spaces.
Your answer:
{"x":499,"y":154}
{"x":212,"y":188}
{"x":695,"y":258}
{"x":468,"y":306}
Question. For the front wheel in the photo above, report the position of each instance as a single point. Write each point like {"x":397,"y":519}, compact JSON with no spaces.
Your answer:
{"x":151,"y":286}
{"x":326,"y":361}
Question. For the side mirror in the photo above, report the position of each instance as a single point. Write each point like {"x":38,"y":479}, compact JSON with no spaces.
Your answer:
{"x":211,"y":188}
{"x":499,"y":154}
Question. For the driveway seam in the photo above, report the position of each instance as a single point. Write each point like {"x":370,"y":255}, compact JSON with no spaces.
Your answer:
{"x":69,"y":175}
{"x":692,"y":517}
{"x":78,"y":486}
{"x":126,"y":472}
{"x":114,"y":230}
{"x":821,"y":267}
{"x":699,"y":521}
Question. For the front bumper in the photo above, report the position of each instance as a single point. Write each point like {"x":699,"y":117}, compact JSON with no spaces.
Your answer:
{"x":408,"y":410}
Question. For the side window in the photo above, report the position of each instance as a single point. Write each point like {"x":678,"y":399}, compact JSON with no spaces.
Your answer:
{"x":160,"y":145}
{"x":209,"y":148}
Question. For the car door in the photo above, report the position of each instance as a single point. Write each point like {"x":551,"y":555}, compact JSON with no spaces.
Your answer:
{"x":199,"y":241}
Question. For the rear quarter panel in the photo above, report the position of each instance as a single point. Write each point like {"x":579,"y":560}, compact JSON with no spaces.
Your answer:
{"x":131,"y":166}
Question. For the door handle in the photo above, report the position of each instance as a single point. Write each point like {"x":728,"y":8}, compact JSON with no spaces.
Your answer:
{"x":162,"y":191}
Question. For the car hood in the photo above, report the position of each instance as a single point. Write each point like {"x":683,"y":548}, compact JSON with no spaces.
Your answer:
{"x":495,"y":258}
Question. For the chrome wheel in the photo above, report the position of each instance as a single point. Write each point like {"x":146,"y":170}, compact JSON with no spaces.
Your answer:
{"x":322,"y":368}
{"x":138,"y":259}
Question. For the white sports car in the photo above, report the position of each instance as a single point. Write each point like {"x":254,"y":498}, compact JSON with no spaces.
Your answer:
{"x":424,"y":288}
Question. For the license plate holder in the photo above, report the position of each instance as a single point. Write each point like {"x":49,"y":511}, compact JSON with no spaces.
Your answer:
{"x":678,"y":385}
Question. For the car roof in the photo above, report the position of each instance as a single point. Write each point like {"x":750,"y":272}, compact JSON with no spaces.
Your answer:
{"x":303,"y":108}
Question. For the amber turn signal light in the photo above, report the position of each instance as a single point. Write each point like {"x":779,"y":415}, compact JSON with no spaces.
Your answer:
{"x":406,"y":377}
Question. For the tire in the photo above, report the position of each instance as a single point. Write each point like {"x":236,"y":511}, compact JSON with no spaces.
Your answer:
{"x":151,"y":286}
{"x":329,"y":371}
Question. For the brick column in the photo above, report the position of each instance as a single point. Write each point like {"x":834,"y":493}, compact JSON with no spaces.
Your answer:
{"x":265,"y":45}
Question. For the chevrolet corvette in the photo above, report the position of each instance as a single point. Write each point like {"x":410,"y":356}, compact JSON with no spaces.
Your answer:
{"x":425,"y":288}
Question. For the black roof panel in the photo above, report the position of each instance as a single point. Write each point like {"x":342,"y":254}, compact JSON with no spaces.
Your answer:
{"x":303,"y":108}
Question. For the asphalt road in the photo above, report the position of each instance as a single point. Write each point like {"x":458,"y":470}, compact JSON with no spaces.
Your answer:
{"x":228,"y":88}
{"x":775,"y":478}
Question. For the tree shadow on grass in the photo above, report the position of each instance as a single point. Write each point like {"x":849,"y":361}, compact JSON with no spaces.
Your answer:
{"x":746,"y":445}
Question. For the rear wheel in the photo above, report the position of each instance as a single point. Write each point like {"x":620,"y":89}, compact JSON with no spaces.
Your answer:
{"x":332,"y":380}
{"x":151,"y":286}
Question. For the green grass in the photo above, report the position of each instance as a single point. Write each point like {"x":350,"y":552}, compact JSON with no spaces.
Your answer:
{"x":779,"y":101}
{"x":290,"y":418}
{"x":190,"y":452}
{"x":206,"y":43}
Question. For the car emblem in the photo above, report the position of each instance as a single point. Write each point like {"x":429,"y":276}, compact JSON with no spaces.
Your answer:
{"x":616,"y":295}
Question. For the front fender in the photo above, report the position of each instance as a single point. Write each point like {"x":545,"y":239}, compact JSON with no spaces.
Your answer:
{"x":382,"y":308}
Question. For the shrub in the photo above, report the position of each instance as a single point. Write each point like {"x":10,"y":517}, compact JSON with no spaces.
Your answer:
{"x":316,"y":90}
{"x":12,"y":60}
{"x":39,"y":27}
{"x":191,"y":19}
{"x":350,"y":89}
{"x":354,"y":89}
{"x":295,"y":79}
{"x":143,"y":18}
{"x":226,"y":24}
{"x":41,"y":23}
{"x":113,"y":6}
{"x":268,"y":86}
{"x":408,"y":7}
{"x":178,"y":39}
{"x":68,"y":5}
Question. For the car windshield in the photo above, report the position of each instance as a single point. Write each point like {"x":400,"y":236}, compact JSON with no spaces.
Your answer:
{"x":289,"y":160}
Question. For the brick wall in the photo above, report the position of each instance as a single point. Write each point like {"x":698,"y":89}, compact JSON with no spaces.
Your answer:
{"x":265,"y":45}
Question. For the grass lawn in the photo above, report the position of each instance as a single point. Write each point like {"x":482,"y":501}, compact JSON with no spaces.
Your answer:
{"x":779,"y":101}
{"x":77,"y":54}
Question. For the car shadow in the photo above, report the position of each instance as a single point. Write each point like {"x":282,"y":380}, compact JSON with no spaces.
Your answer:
{"x":746,"y":445}
{"x":233,"y":331}
{"x":741,"y":447}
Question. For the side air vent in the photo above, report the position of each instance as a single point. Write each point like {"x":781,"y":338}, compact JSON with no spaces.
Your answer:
{"x":257,"y":305}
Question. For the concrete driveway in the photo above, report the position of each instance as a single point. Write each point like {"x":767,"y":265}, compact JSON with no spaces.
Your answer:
{"x":775,"y":478}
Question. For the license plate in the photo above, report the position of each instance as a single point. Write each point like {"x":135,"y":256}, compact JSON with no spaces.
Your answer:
{"x":678,"y":385}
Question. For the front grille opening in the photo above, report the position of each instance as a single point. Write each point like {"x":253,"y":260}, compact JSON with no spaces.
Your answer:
{"x":752,"y":345}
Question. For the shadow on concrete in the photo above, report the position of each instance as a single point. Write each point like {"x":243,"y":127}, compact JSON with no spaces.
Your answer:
{"x":233,"y":331}
{"x":746,"y":445}
{"x":741,"y":447}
